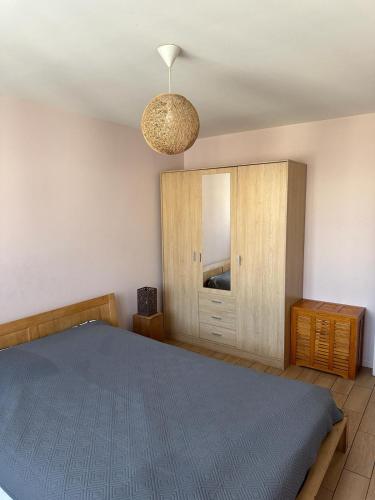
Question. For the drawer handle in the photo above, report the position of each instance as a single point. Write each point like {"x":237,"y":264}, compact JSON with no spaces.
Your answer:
{"x":216,"y":301}
{"x":216,"y":317}
{"x":217,"y":334}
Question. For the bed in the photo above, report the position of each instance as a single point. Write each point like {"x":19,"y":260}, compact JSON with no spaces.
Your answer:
{"x":99,"y":412}
{"x":217,"y":275}
{"x":219,"y":281}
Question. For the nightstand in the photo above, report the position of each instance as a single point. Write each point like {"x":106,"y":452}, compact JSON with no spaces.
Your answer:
{"x":149,"y":326}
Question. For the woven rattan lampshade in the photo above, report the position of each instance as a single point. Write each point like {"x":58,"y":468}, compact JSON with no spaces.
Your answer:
{"x":170,"y":124}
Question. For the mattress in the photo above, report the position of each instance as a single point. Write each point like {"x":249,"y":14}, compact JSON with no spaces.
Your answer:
{"x":99,"y":412}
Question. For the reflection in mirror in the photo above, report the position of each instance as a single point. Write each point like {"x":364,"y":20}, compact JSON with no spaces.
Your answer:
{"x":216,"y":231}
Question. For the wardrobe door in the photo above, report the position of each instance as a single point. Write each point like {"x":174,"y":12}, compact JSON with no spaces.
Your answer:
{"x":261,"y":240}
{"x":181,"y":228}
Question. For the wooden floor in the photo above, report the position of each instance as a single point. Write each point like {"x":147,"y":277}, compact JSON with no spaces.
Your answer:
{"x":351,"y":476}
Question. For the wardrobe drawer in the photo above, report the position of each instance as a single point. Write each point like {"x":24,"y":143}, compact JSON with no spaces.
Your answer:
{"x":217,"y":334}
{"x":216,"y":303}
{"x":218,"y":318}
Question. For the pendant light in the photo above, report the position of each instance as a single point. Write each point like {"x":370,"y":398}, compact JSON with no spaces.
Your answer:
{"x":170,"y":123}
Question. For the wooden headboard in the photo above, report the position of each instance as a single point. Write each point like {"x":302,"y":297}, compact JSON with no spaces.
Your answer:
{"x":50,"y":322}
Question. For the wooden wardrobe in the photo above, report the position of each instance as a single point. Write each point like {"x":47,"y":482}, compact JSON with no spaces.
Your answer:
{"x":267,"y":216}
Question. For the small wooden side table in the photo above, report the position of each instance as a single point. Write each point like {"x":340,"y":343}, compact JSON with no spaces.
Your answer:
{"x":149,"y":326}
{"x":327,"y":336}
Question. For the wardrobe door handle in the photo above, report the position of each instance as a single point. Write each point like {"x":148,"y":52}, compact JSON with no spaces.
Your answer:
{"x":216,"y":317}
{"x":216,"y":301}
{"x":239,"y":260}
{"x":217,"y":334}
{"x":194,"y":256}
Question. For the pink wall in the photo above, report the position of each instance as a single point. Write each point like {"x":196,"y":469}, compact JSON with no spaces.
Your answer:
{"x":340,"y":218}
{"x":79,"y":210}
{"x":79,"y":206}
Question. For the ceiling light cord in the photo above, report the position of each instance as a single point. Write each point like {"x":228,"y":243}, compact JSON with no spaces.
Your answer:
{"x":169,"y":79}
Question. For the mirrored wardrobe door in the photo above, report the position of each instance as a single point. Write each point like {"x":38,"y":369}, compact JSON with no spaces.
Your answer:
{"x":218,"y":229}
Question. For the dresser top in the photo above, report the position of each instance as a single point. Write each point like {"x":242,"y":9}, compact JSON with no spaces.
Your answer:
{"x":330,"y":308}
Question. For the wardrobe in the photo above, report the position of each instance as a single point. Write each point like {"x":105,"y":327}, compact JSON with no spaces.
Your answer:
{"x":233,"y":242}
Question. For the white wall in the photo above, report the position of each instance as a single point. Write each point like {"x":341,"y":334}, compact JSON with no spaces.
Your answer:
{"x":340,"y":217}
{"x":79,"y":210}
{"x":216,"y":218}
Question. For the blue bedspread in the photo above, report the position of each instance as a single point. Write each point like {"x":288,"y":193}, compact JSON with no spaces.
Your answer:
{"x":100,"y":413}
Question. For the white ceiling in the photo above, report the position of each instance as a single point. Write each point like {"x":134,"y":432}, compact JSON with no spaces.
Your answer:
{"x":247,"y":63}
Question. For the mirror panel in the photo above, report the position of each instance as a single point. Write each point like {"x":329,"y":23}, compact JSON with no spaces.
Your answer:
{"x":216,"y":237}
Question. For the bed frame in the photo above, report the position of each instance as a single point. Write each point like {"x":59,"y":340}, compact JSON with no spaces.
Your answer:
{"x":335,"y":442}
{"x":104,"y":308}
{"x":47,"y":323}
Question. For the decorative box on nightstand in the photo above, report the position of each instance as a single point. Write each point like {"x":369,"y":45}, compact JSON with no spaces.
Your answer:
{"x":149,"y":326}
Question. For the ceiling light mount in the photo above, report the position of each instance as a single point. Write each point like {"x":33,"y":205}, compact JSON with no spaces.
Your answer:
{"x":169,"y":53}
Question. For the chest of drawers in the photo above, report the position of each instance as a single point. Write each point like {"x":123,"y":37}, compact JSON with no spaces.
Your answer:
{"x":217,"y":318}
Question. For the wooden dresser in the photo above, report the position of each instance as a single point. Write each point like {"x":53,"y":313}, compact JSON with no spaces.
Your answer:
{"x":327,"y":336}
{"x":217,"y":318}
